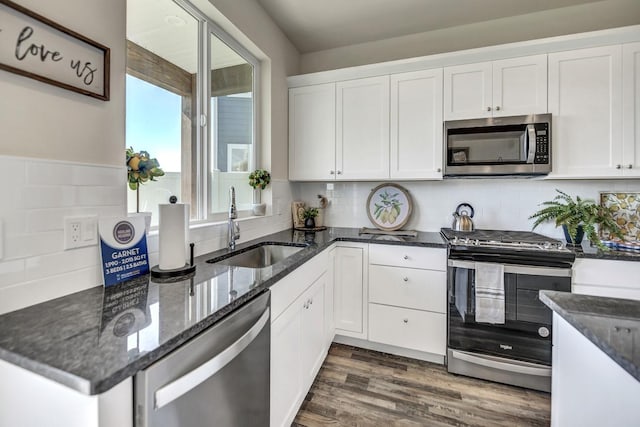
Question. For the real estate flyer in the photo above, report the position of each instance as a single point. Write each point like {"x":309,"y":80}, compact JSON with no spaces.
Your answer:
{"x":123,"y":246}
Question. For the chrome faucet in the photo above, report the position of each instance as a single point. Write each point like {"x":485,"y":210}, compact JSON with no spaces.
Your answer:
{"x":233,"y":227}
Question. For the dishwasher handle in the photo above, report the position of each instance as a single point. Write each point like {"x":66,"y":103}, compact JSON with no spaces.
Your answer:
{"x":182,"y":385}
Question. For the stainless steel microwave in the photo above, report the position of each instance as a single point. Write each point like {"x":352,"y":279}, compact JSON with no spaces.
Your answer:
{"x":498,"y":146}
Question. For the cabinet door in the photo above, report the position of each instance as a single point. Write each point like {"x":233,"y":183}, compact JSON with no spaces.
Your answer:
{"x":313,"y":346}
{"x":312,"y":132}
{"x":362,"y":141}
{"x":416,"y":125}
{"x":286,"y":365}
{"x":349,"y":291}
{"x":520,"y":86}
{"x":585,"y":98}
{"x":467,"y":91}
{"x":329,"y":286}
{"x":631,"y":109}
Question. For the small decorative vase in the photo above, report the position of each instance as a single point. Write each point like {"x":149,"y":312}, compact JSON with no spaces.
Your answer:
{"x":310,"y":223}
{"x":259,"y":209}
{"x":579,"y":235}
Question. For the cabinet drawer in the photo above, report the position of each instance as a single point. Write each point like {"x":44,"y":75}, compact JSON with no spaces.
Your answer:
{"x":406,"y":256}
{"x":294,"y":284}
{"x":407,"y":328}
{"x":408,"y":287}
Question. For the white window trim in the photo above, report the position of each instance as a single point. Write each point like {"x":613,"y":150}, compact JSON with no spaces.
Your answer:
{"x":207,"y":27}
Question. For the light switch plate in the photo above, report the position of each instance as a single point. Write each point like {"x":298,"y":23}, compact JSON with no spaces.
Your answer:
{"x":80,"y":231}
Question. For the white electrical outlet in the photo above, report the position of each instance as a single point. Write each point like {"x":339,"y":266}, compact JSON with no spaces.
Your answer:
{"x":80,"y":231}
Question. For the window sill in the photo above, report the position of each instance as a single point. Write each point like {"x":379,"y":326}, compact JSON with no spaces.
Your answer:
{"x":195,"y":225}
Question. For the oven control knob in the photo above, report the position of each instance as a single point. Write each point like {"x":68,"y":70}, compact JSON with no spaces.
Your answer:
{"x":476,"y":242}
{"x":547,"y":245}
{"x":543,"y":331}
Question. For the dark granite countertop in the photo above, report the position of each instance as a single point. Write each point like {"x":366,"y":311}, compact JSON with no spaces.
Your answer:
{"x":588,"y":251}
{"x":93,"y":339}
{"x":612,"y":324}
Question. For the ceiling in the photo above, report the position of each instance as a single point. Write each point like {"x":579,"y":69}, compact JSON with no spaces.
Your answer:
{"x":314,"y":25}
{"x":164,"y":28}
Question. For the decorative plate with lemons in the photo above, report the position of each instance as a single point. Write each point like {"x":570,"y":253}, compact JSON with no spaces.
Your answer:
{"x":389,"y":207}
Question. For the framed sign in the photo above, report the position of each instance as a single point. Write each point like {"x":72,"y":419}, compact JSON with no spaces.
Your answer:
{"x":36,"y":47}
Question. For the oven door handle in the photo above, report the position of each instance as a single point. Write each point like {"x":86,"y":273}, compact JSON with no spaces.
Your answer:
{"x":503,"y":366}
{"x":517,"y":269}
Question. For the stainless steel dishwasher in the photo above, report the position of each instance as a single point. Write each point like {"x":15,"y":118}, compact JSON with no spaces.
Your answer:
{"x":220,"y":378}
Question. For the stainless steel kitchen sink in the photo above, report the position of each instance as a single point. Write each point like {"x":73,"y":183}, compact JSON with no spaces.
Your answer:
{"x":260,"y":256}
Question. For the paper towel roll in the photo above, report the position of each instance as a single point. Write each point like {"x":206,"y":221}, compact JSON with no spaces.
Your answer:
{"x":174,"y":220}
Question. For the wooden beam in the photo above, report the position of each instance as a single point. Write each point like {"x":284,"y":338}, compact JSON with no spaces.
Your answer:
{"x":151,"y":68}
{"x":231,"y":80}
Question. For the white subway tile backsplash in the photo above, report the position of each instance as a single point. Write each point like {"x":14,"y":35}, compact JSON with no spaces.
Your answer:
{"x":27,"y":245}
{"x":50,"y":196}
{"x":98,"y":196}
{"x":24,"y":294}
{"x":42,"y":173}
{"x":12,"y":172}
{"x":60,"y":262}
{"x":12,"y":272}
{"x":499,"y":203}
{"x":38,"y":194}
{"x":98,"y":176}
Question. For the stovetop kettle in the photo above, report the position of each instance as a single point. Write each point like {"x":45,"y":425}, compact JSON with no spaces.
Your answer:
{"x":462,"y":218}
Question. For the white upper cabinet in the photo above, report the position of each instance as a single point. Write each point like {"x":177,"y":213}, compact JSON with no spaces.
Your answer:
{"x":508,"y":87}
{"x":585,"y":99}
{"x":631,"y":109}
{"x":416,"y":125}
{"x":467,"y":91}
{"x":312,"y":132}
{"x":520,"y":86}
{"x":362,"y":129}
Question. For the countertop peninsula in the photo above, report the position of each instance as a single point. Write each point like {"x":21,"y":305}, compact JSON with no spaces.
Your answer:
{"x":612,"y":324}
{"x":93,"y":339}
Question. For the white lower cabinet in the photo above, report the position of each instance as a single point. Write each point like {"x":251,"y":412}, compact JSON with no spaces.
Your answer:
{"x":606,"y":278}
{"x":298,"y":348}
{"x":589,"y":389}
{"x":286,"y":366}
{"x":407,"y":298}
{"x":299,"y":342}
{"x":350,"y":290}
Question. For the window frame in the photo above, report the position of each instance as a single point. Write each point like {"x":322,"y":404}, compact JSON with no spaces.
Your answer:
{"x":199,"y":164}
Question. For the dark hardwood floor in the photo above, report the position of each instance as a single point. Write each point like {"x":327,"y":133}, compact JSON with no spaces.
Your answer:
{"x":357,"y":387}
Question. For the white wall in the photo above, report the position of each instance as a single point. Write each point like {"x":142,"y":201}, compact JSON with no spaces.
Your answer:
{"x":499,"y":203}
{"x":568,"y":20}
{"x":44,"y":121}
{"x":62,"y":153}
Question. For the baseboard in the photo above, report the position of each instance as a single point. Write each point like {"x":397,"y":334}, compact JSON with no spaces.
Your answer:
{"x":385,"y":348}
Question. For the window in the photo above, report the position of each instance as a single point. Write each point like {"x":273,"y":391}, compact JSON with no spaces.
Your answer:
{"x":191,"y":104}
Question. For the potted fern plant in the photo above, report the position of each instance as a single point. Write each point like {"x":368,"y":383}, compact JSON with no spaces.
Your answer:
{"x":258,"y":180}
{"x":577,"y":217}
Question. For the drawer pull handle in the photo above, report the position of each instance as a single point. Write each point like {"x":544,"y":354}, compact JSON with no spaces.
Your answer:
{"x":406,"y":257}
{"x":406,"y":279}
{"x":406,"y":320}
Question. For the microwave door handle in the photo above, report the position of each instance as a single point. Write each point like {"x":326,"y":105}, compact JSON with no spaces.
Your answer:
{"x":531,"y":143}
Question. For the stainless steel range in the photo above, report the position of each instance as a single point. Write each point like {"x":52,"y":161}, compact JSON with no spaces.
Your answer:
{"x":497,"y":328}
